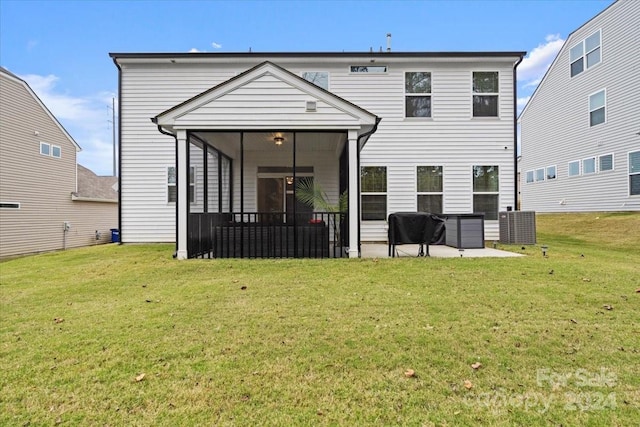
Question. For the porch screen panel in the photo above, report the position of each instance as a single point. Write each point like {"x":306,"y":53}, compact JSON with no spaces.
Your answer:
{"x":196,"y":181}
{"x":225,"y":165}
{"x":213,"y":181}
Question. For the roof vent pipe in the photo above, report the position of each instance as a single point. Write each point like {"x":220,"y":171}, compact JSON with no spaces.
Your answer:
{"x":388,"y":42}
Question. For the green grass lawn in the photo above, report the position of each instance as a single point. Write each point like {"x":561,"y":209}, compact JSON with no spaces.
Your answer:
{"x":328,"y":342}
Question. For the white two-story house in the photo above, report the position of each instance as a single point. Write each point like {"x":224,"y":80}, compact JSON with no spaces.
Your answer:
{"x":580,"y":131}
{"x":214,"y":146}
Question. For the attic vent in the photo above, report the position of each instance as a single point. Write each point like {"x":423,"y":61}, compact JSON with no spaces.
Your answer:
{"x":312,"y":106}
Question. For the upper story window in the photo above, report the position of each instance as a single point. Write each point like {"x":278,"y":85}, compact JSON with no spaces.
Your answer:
{"x":589,"y":166}
{"x":373,"y":191}
{"x":368,"y":68}
{"x":529,"y":177}
{"x":585,"y":54}
{"x":417,"y":89}
{"x":605,"y":163}
{"x":574,"y":168}
{"x":551,"y":172}
{"x":540,"y":174}
{"x":50,"y":150}
{"x":429,"y":189}
{"x":318,"y":78}
{"x":485,"y":94}
{"x":597,"y":107}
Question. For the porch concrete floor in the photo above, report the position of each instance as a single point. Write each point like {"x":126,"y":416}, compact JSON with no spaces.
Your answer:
{"x":381,"y":250}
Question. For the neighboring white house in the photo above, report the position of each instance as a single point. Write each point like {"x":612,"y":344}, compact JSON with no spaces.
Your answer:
{"x":204,"y":134}
{"x":47,"y":201}
{"x":580,"y":131}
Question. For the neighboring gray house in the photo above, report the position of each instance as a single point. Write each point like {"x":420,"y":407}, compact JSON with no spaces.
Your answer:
{"x":580,"y":132}
{"x":214,"y":145}
{"x":47,"y":201}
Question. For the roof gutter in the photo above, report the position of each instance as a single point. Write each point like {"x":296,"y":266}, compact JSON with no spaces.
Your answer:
{"x":515,"y":133}
{"x":115,"y":61}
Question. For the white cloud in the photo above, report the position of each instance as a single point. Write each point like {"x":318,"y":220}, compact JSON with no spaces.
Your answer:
{"x":216,"y":45}
{"x":535,"y":65}
{"x":194,"y":50}
{"x":87,"y":119}
{"x":522,"y":101}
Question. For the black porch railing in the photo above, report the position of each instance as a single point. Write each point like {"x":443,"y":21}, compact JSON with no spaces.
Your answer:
{"x":267,"y":235}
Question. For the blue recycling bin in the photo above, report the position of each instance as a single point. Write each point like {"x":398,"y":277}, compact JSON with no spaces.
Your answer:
{"x":115,"y":235}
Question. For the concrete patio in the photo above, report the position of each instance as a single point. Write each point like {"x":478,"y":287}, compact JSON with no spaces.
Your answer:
{"x":381,"y":250}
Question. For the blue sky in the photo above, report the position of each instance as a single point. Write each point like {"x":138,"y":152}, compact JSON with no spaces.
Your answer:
{"x":61,"y":47}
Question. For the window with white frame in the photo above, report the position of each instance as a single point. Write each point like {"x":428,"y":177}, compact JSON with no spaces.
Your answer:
{"x":634,"y":173}
{"x":540,"y":174}
{"x":585,"y":54}
{"x":597,"y":107}
{"x":529,"y":177}
{"x":50,"y":150}
{"x":551,"y":172}
{"x":417,"y":94}
{"x":9,"y":205}
{"x":172,"y":190}
{"x":373,"y":193}
{"x":368,"y":69}
{"x":429,"y":179}
{"x":318,"y":78}
{"x":485,"y":191}
{"x":605,"y":163}
{"x":589,"y":166}
{"x":574,"y":168}
{"x":485,"y":94}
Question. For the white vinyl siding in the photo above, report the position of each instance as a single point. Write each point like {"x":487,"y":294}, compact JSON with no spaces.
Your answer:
{"x":450,"y":138}
{"x":556,"y":123}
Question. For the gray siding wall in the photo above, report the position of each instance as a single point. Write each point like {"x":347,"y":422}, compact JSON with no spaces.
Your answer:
{"x":555,"y":125}
{"x":451,"y":138}
{"x":42,"y":185}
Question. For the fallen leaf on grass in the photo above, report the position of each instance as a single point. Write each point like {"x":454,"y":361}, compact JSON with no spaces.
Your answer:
{"x":574,"y":321}
{"x":58,"y":320}
{"x":638,"y":291}
{"x":409,"y":373}
{"x":467,"y":384}
{"x":140,"y":377}
{"x":586,"y":279}
{"x":608,"y":306}
{"x":476,"y":365}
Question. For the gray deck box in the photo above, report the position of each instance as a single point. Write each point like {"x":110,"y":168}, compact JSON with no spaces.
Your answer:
{"x":464,"y":231}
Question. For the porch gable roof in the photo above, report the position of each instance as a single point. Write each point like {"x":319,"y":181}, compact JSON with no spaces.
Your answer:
{"x":266,"y":96}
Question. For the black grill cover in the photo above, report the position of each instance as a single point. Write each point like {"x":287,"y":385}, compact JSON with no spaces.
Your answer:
{"x":415,"y":228}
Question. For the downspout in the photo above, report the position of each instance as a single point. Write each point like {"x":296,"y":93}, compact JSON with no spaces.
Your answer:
{"x":364,"y":135}
{"x":515,"y":134}
{"x":119,"y":148}
{"x":175,"y":137}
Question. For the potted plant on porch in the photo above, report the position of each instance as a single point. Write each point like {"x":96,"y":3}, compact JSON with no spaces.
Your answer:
{"x":312,"y":194}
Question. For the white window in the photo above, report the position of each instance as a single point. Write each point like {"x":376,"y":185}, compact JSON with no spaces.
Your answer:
{"x":9,"y":205}
{"x":597,"y":107}
{"x":50,"y":150}
{"x":605,"y":163}
{"x":318,"y":78}
{"x":574,"y":168}
{"x":529,"y":176}
{"x":540,"y":174}
{"x":485,"y":94}
{"x":589,"y":166}
{"x":551,"y":172}
{"x":585,"y":54}
{"x":485,"y":191}
{"x":634,"y":173}
{"x":172,"y":191}
{"x":368,"y":68}
{"x":56,"y":151}
{"x":429,"y":179}
{"x":417,"y":94}
{"x":45,"y":149}
{"x":373,"y":190}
